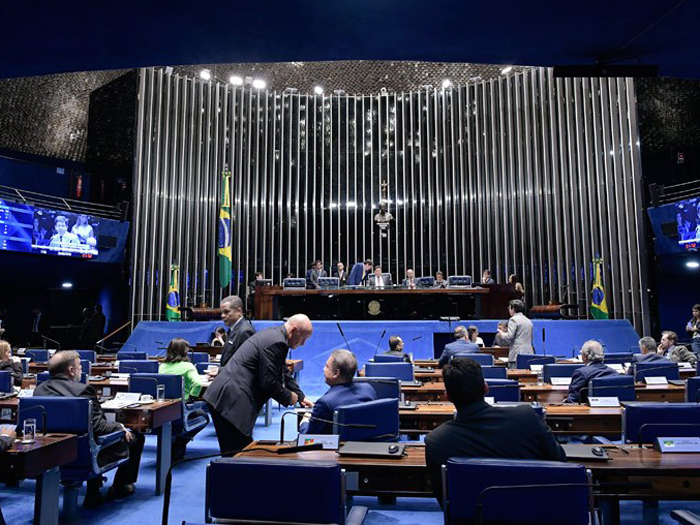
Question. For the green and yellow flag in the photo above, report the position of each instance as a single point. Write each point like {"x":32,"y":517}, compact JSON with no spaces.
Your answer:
{"x":172,"y":308}
{"x":225,"y":254}
{"x":599,"y":307}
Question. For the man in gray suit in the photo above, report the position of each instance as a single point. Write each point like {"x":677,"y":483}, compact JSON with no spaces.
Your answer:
{"x":675,"y":354}
{"x":315,"y":272}
{"x":378,"y":279}
{"x":518,"y":335}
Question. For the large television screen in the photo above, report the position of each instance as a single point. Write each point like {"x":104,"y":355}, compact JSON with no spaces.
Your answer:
{"x":688,"y":222}
{"x":25,"y":228}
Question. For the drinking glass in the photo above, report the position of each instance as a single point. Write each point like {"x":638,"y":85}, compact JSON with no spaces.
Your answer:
{"x":29,"y":432}
{"x":160,"y":393}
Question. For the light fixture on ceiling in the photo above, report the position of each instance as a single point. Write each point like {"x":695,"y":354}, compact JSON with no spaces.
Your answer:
{"x":692,"y":264}
{"x":318,"y":90}
{"x":235,"y":80}
{"x":506,"y":70}
{"x":259,"y":83}
{"x":205,"y":74}
{"x":446,"y":84}
{"x":67,"y":285}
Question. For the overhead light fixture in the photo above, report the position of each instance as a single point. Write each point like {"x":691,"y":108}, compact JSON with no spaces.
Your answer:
{"x":318,"y":90}
{"x":290,"y":90}
{"x":506,"y":70}
{"x":259,"y":83}
{"x":235,"y":80}
{"x":67,"y":285}
{"x":168,"y":70}
{"x":446,"y":84}
{"x":205,"y":74}
{"x":693,"y":264}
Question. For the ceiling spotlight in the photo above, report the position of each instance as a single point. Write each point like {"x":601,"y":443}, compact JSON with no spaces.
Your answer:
{"x":383,"y":91}
{"x":339,"y":91}
{"x":236,"y":80}
{"x":446,"y":84}
{"x":168,"y":70}
{"x":259,"y":83}
{"x":506,"y":70}
{"x":693,"y":264}
{"x":205,"y":74}
{"x":289,"y":90}
{"x":67,"y":285}
{"x":318,"y":90}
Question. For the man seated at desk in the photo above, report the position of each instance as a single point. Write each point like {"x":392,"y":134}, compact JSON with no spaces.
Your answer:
{"x":66,"y":371}
{"x":592,"y":356}
{"x":339,"y":372}
{"x":378,"y":279}
{"x":648,"y":347}
{"x":669,"y":348}
{"x":480,"y":430}
{"x":461,"y":345}
{"x":396,"y":348}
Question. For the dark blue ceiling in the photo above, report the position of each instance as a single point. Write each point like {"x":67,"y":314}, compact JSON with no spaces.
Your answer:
{"x":49,"y":37}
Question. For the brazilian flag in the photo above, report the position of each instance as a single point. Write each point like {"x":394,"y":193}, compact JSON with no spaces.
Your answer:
{"x":599,"y":307}
{"x":225,"y":255}
{"x":172,"y":309}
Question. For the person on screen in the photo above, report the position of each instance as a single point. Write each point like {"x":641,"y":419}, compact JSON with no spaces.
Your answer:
{"x":39,"y":234}
{"x":63,"y":238}
{"x":84,"y":231}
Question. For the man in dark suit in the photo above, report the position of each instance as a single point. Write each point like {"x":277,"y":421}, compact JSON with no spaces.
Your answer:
{"x":254,"y":374}
{"x":339,"y":372}
{"x":360,"y":273}
{"x":410,"y":280}
{"x":480,"y":430}
{"x":96,"y":326}
{"x":648,"y":347}
{"x":66,"y":371}
{"x":379,"y":279}
{"x":396,"y":348}
{"x":592,"y":356}
{"x":461,"y":345}
{"x":239,"y":328}
{"x":40,"y":326}
{"x":314,"y":273}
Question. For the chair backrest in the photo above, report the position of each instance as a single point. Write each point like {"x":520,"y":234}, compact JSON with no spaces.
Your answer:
{"x":381,"y":358}
{"x":467,"y":482}
{"x":384,"y":387}
{"x":25,"y":364}
{"x":125,"y":354}
{"x":5,"y":381}
{"x":692,"y":390}
{"x":643,"y":422}
{"x":427,"y":281}
{"x":90,"y":355}
{"x":381,"y":415}
{"x":202,"y":367}
{"x":328,"y":282}
{"x":234,"y":485}
{"x":494,"y":372}
{"x":138,"y":366}
{"x":618,"y":358}
{"x":459,"y":280}
{"x":551,"y":370}
{"x":621,"y":387}
{"x":85,"y":364}
{"x":45,"y":376}
{"x":199,"y":357}
{"x":402,"y":371}
{"x":294,"y":282}
{"x":503,"y":389}
{"x":667,"y":370}
{"x":66,"y":415}
{"x":147,"y":383}
{"x":482,"y":359}
{"x":523,"y":361}
{"x":37,"y":356}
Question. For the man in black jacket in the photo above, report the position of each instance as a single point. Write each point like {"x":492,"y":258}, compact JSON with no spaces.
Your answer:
{"x":66,"y":371}
{"x":239,"y":328}
{"x":254,"y":374}
{"x":483,"y":431}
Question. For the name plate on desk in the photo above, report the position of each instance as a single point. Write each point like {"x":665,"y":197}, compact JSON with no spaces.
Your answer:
{"x":685,"y":365}
{"x":603,"y":402}
{"x":617,"y":367}
{"x":536,"y":368}
{"x":678,"y":444}
{"x":329,"y":441}
{"x":561,"y":381}
{"x":656,"y":380}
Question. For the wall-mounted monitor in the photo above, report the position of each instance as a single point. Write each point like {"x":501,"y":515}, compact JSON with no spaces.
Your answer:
{"x":688,"y":222}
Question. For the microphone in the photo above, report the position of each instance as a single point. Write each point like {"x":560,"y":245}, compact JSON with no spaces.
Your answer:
{"x":103,"y":349}
{"x":155,"y":392}
{"x":587,"y":389}
{"x":545,"y":359}
{"x":43,"y":414}
{"x":645,"y":425}
{"x":376,"y":351}
{"x":667,"y":366}
{"x":416,"y":338}
{"x":52,"y":341}
{"x":347,"y":343}
{"x":544,"y":351}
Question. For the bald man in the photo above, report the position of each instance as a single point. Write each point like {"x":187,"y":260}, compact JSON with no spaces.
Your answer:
{"x":255,"y":373}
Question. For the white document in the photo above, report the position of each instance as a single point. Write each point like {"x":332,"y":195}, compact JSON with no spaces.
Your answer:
{"x":603,"y":401}
{"x":656,"y":380}
{"x":561,"y":381}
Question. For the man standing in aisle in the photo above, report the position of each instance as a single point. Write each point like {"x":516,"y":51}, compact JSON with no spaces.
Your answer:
{"x":518,"y":335}
{"x":238,"y":327}
{"x":360,"y":273}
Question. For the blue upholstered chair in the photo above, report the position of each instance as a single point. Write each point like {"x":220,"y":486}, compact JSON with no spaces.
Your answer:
{"x":401,"y":371}
{"x":198,"y":357}
{"x":384,"y":387}
{"x":542,"y":492}
{"x":45,"y":376}
{"x":644,"y":422}
{"x":90,"y":355}
{"x":692,"y":390}
{"x":482,"y":359}
{"x":503,"y":389}
{"x":138,"y":366}
{"x":381,"y":417}
{"x":85,"y":364}
{"x":621,"y":387}
{"x":381,"y":358}
{"x":495,"y":372}
{"x":551,"y":370}
{"x":642,"y":370}
{"x":6,"y":381}
{"x":71,"y":415}
{"x":37,"y":356}
{"x":125,"y":354}
{"x":618,"y":358}
{"x":234,"y":485}
{"x":25,"y":364}
{"x":202,"y":367}
{"x":454,"y":281}
{"x":523,"y":361}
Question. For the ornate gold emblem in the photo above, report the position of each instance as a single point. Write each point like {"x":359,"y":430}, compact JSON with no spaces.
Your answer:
{"x":374,"y":308}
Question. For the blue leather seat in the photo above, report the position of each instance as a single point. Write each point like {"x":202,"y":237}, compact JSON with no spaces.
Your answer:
{"x":381,"y":417}
{"x":482,"y":359}
{"x":644,"y":422}
{"x":492,"y":488}
{"x":618,"y":358}
{"x":384,"y":387}
{"x":551,"y":370}
{"x":72,"y":415}
{"x":642,"y":370}
{"x":37,"y":356}
{"x":138,"y":366}
{"x":125,"y":354}
{"x":198,"y":357}
{"x":401,"y":371}
{"x":234,"y":486}
{"x":86,"y":365}
{"x":621,"y":387}
{"x":495,"y":372}
{"x":25,"y":364}
{"x":202,"y":367}
{"x":692,"y":390}
{"x":6,"y":381}
{"x":90,"y":355}
{"x":503,"y":389}
{"x":523,"y":361}
{"x":381,"y":358}
{"x":45,"y":376}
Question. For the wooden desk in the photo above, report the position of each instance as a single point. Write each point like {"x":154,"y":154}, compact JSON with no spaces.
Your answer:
{"x":109,"y":386}
{"x":106,"y":358}
{"x":37,"y":368}
{"x":556,"y":394}
{"x":40,"y":460}
{"x":8,"y":410}
{"x":435,"y":376}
